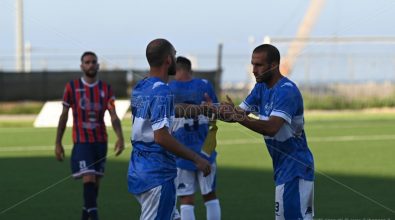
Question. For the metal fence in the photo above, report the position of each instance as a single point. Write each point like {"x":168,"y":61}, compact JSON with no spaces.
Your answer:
{"x":49,"y":85}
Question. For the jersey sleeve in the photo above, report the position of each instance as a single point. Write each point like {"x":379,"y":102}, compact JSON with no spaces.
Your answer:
{"x":161,"y":107}
{"x":286,"y":103}
{"x":67,"y":96}
{"x":111,"y":99}
{"x":211,"y":93}
{"x":251,"y":103}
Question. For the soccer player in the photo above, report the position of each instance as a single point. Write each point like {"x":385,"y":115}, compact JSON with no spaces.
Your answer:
{"x":192,"y":132}
{"x":152,"y":167}
{"x":279,"y":104}
{"x":89,"y":98}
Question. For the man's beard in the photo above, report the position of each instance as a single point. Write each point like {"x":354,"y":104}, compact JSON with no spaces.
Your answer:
{"x":264,"y":77}
{"x":91,"y":74}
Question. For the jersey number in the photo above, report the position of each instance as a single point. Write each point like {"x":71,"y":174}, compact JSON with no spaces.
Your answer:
{"x":277,"y":207}
{"x":82,"y":164}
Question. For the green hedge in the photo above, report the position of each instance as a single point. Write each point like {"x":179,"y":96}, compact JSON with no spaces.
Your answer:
{"x":15,"y":108}
{"x":331,"y":102}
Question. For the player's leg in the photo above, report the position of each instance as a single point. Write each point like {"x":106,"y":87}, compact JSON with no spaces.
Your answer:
{"x":90,"y":196}
{"x":81,"y":157}
{"x":85,"y":164}
{"x":186,"y":183}
{"x":207,"y":188}
{"x":158,"y":203}
{"x":92,"y":180}
{"x":294,"y":200}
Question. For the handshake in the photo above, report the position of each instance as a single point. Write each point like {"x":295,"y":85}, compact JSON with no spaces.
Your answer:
{"x":224,"y":111}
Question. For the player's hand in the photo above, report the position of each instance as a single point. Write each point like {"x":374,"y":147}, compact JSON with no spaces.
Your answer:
{"x":119,"y":147}
{"x":59,"y":152}
{"x":203,"y":165}
{"x":228,"y":111}
{"x":210,"y":109}
{"x":229,"y":101}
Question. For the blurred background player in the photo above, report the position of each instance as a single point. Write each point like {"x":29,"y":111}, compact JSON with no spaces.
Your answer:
{"x":279,"y":104}
{"x":192,"y":132}
{"x":89,"y":98}
{"x":152,"y":167}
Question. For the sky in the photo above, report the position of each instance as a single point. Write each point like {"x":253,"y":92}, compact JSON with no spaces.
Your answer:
{"x":119,"y":30}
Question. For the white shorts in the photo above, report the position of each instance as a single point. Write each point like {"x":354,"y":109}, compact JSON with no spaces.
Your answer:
{"x":187,"y":181}
{"x":295,"y":200}
{"x":159,"y":202}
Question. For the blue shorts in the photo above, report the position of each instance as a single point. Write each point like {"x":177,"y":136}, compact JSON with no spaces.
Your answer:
{"x":295,"y":200}
{"x":159,"y":203}
{"x":88,"y":158}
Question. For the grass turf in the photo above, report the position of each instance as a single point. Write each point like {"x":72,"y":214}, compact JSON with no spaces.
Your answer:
{"x":353,"y":156}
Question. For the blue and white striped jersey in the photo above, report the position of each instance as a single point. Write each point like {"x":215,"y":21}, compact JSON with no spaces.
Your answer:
{"x":288,"y":148}
{"x":192,"y":132}
{"x":152,"y":109}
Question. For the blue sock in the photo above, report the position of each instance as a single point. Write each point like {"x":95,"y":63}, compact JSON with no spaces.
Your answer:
{"x":90,"y":200}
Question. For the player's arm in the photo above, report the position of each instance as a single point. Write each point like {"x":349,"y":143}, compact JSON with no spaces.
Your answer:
{"x":268,"y":127}
{"x":192,"y":111}
{"x":59,"y":150}
{"x":163,"y":138}
{"x":116,"y":125}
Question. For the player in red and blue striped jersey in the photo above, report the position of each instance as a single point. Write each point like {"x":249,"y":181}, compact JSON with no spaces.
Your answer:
{"x":88,"y":98}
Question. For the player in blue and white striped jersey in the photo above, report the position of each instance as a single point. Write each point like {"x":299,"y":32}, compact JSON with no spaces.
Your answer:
{"x":193,"y":132}
{"x":152,"y":167}
{"x":279,"y":104}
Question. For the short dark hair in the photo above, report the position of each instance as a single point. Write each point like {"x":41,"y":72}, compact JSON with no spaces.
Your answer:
{"x":184,"y":63}
{"x":157,"y":51}
{"x":273,"y":55}
{"x":87,"y":53}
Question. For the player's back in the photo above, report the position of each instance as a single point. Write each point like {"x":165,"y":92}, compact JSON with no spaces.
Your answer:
{"x":192,"y":132}
{"x":152,"y":109}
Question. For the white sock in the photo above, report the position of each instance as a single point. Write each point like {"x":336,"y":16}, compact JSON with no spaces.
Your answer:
{"x":187,"y":212}
{"x":213,"y":210}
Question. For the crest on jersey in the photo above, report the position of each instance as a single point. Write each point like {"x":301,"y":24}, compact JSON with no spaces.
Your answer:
{"x":102,"y":94}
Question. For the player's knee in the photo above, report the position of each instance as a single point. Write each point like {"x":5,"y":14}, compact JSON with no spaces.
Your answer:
{"x":210,"y":196}
{"x":89,"y":178}
{"x":187,"y":200}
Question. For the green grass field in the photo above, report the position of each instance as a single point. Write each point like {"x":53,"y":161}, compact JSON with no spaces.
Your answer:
{"x":354,"y":156}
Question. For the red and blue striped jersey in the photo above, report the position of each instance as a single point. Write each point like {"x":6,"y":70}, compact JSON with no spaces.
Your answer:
{"x":88,"y":103}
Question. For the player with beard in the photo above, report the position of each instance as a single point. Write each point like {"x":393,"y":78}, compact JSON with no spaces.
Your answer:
{"x":89,"y":98}
{"x":279,"y":104}
{"x":152,"y":167}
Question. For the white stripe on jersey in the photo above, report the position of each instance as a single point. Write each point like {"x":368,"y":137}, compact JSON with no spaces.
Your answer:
{"x":245,"y":106}
{"x":178,"y":123}
{"x":287,"y":130}
{"x":142,"y":130}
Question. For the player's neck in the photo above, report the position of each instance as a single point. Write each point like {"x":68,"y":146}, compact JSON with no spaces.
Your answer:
{"x":277,"y":77}
{"x":183,"y":76}
{"x":89,"y":80}
{"x":160,"y":73}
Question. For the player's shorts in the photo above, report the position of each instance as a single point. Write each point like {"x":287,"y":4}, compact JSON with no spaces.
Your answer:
{"x":88,"y":158}
{"x":295,"y":200}
{"x":187,"y":181}
{"x":159,"y":202}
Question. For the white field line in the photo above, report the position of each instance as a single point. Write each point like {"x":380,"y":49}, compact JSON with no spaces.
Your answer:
{"x":257,"y":140}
